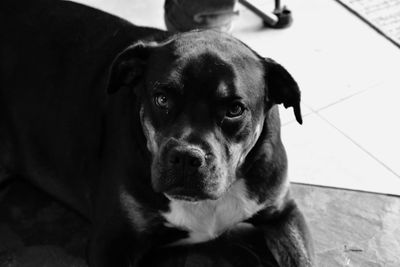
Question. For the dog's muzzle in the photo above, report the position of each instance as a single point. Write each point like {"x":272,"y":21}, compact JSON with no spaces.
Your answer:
{"x":185,"y":161}
{"x":186,"y":172}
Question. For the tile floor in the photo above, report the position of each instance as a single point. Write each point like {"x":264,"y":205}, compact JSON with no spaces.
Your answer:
{"x":349,"y":76}
{"x":351,"y":229}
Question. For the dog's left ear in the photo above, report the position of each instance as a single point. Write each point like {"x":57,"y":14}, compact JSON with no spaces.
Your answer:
{"x":282,"y":88}
{"x":129,"y":66}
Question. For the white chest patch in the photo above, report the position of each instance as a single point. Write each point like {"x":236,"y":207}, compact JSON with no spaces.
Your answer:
{"x":205,"y":220}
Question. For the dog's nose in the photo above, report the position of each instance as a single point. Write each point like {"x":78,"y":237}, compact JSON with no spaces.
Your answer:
{"x":186,"y":160}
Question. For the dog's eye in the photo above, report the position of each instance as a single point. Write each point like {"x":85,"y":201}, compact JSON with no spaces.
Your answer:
{"x":235,"y":110}
{"x":161,"y":101}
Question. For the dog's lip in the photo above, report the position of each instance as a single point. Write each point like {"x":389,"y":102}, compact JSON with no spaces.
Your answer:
{"x":185,"y":195}
{"x":182,"y":198}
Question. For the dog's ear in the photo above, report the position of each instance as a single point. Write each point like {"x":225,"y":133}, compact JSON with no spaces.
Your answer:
{"x":282,"y":88}
{"x":129,"y":66}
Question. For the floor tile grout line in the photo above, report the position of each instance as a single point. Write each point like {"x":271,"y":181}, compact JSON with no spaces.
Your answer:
{"x":371,"y":87}
{"x":294,"y":120}
{"x":340,"y":100}
{"x":357,"y":144}
{"x":364,"y":191}
{"x":312,"y":110}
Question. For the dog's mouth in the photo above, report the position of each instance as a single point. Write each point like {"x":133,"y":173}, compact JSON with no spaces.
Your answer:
{"x":183,"y":194}
{"x":183,"y":198}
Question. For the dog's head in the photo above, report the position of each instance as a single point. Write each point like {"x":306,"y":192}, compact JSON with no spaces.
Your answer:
{"x":204,"y":98}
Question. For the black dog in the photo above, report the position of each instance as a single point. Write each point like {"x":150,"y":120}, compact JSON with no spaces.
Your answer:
{"x":170,"y":145}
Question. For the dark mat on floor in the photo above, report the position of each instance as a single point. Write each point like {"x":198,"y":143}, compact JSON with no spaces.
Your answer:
{"x":382,"y":15}
{"x":349,"y":228}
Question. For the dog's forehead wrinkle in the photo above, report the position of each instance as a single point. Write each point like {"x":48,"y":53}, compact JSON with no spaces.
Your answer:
{"x":211,"y":74}
{"x":207,"y":65}
{"x":227,"y":90}
{"x":170,"y":81}
{"x":223,"y":89}
{"x":219,"y":77}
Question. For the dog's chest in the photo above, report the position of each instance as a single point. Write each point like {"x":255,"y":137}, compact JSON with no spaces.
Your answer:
{"x":208,"y":219}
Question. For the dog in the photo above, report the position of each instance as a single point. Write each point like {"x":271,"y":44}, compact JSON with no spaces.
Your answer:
{"x":169,"y":144}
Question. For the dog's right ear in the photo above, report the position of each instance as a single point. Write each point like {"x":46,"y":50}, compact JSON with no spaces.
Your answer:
{"x":129,"y":66}
{"x":282,"y":88}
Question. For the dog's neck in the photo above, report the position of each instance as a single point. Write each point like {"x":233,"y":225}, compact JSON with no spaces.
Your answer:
{"x":206,"y":220}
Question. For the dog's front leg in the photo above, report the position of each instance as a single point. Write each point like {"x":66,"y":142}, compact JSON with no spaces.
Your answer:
{"x":110,"y":245}
{"x":286,"y":235}
{"x":117,"y":242}
{"x":117,"y":245}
